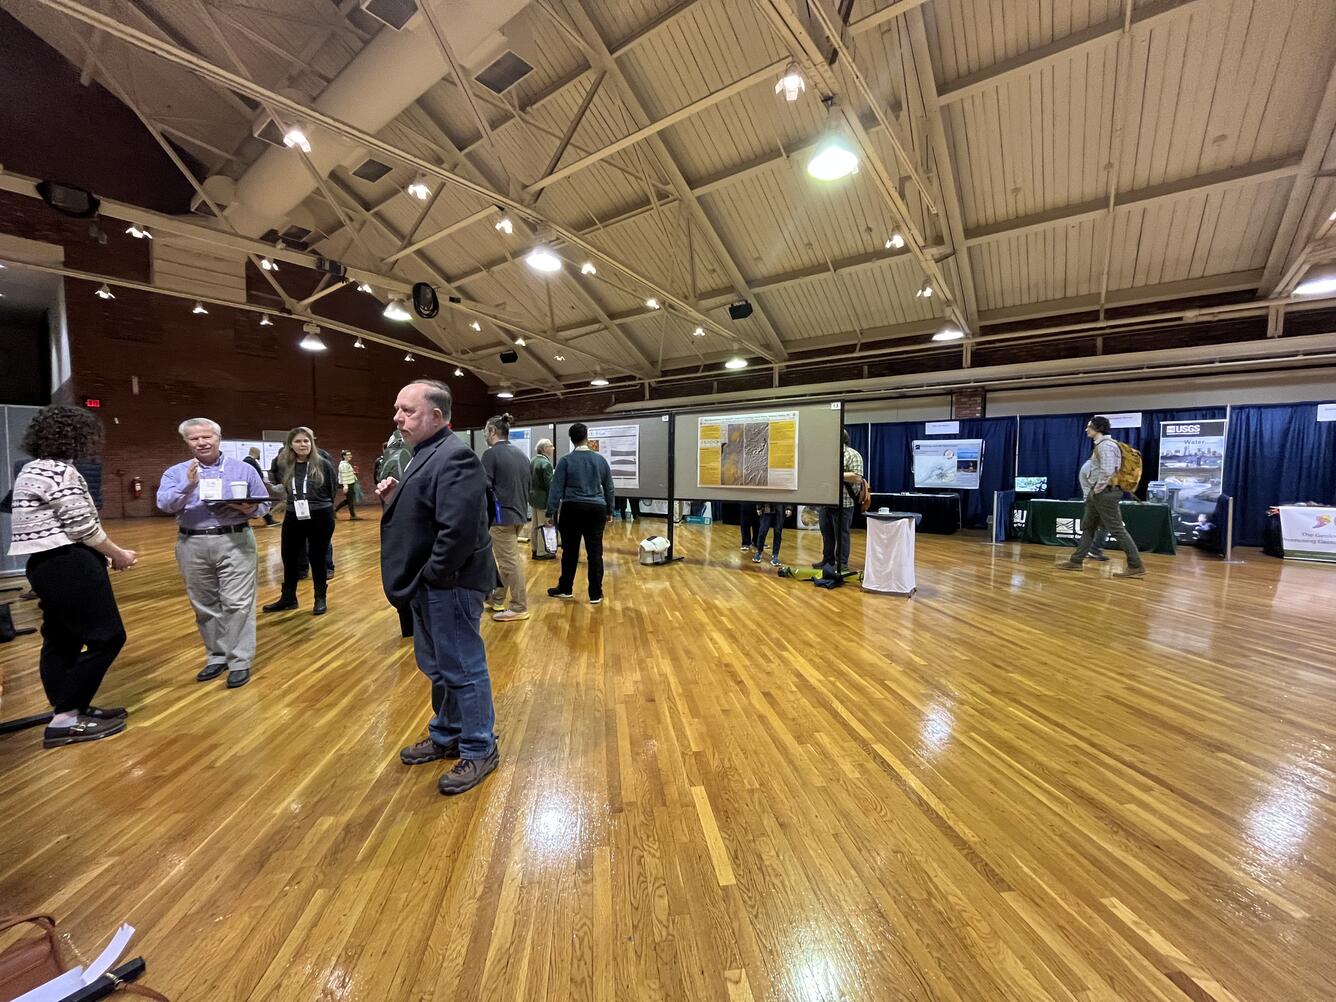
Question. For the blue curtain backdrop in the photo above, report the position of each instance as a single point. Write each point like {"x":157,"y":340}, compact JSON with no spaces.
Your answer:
{"x":1055,"y":445}
{"x":890,"y":464}
{"x":1277,"y":454}
{"x":858,"y":440}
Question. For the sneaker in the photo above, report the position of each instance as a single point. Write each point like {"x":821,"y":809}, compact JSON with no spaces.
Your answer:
{"x":558,"y":593}
{"x":757,"y":559}
{"x":1067,"y":565}
{"x":1130,"y":572}
{"x":83,"y":729}
{"x":745,"y":548}
{"x":596,"y":601}
{"x":428,"y":750}
{"x":774,"y":562}
{"x":509,"y":616}
{"x":468,"y":773}
{"x":497,"y":606}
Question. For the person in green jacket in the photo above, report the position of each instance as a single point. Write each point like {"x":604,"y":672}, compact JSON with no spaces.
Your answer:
{"x":540,"y":481}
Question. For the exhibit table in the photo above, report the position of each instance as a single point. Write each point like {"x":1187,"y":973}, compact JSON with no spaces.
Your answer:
{"x":1058,"y":523}
{"x":941,"y":512}
{"x":888,"y":564}
{"x":1307,"y":532}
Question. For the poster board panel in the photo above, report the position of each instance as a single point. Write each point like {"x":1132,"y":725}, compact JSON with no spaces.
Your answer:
{"x":953,"y":463}
{"x":522,"y":437}
{"x":778,"y":453}
{"x":636,"y":446}
{"x":1192,"y":470}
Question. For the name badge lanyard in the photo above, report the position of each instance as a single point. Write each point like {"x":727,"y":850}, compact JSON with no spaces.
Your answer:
{"x":301,"y":506}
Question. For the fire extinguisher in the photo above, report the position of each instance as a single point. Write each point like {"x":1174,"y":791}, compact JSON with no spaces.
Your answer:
{"x":136,"y":487}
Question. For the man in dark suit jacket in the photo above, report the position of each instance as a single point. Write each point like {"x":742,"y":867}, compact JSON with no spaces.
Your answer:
{"x":436,"y":559}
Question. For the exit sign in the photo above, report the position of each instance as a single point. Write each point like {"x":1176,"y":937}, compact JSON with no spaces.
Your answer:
{"x":93,"y":402}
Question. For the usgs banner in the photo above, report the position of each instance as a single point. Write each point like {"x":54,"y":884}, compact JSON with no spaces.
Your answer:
{"x":1309,"y":533}
{"x":1192,"y":466}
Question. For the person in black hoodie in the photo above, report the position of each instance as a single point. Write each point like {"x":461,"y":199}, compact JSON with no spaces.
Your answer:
{"x":308,"y":478}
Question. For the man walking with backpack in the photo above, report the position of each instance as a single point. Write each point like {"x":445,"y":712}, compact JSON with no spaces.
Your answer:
{"x":1113,"y":466}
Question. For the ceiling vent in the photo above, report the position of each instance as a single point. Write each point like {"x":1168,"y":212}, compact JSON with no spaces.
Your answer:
{"x":395,"y":13}
{"x":372,"y":170}
{"x":505,"y":72}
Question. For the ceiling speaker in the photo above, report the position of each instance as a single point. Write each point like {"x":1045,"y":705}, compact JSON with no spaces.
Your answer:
{"x":740,"y":310}
{"x":510,"y":357}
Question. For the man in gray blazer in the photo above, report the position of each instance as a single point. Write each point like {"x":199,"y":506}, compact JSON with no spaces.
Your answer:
{"x":436,"y":559}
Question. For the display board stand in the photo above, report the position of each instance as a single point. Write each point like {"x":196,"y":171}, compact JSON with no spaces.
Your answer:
{"x":672,"y":494}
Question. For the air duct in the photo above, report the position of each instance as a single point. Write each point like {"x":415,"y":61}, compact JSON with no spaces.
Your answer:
{"x":389,"y":74}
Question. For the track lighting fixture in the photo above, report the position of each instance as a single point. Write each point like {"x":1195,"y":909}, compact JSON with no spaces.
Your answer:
{"x":521,"y":342}
{"x":295,"y":138}
{"x":588,"y":268}
{"x":365,"y":287}
{"x":559,"y":358}
{"x":925,"y":290}
{"x":895,"y":241}
{"x":505,"y":225}
{"x":265,"y":321}
{"x":409,"y":357}
{"x":475,"y":326}
{"x":698,"y":332}
{"x":652,"y":303}
{"x":459,"y":371}
{"x":104,"y":292}
{"x":419,"y":189}
{"x":359,"y":343}
{"x":139,"y":232}
{"x":268,"y":264}
{"x":199,"y":307}
{"x":791,"y":84}
{"x":396,"y":310}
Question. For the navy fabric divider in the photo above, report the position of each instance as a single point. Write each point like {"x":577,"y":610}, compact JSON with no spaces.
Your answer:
{"x":1055,"y":445}
{"x":858,"y":440}
{"x":890,"y":461}
{"x":1277,"y":454}
{"x":1002,"y":502}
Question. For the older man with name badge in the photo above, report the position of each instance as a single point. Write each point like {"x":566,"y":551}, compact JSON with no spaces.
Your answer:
{"x":214,"y":497}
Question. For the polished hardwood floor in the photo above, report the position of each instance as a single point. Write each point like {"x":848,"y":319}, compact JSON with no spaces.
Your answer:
{"x":719,"y":785}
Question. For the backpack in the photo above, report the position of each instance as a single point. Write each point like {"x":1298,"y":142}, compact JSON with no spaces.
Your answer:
{"x":862,"y":494}
{"x":1128,"y":477}
{"x":394,"y":459}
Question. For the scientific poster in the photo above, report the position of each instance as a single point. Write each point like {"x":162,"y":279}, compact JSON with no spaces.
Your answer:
{"x":522,"y":439}
{"x":948,"y":462}
{"x":748,"y":450}
{"x":619,"y":444}
{"x":1192,"y":468}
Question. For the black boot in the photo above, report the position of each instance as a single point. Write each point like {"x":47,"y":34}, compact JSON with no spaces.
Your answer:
{"x":320,"y":607}
{"x":287,"y":600}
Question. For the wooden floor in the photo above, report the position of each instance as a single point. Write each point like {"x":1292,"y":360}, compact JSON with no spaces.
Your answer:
{"x":719,"y":785}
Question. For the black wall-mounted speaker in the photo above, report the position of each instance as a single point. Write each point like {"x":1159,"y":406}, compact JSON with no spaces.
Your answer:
{"x":510,"y":357}
{"x":740,"y":310}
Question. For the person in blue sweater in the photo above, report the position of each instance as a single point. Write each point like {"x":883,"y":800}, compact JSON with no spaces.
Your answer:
{"x":582,"y":497}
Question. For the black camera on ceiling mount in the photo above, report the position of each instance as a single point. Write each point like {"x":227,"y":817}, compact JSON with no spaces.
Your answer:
{"x":740,"y":310}
{"x":336,"y":268}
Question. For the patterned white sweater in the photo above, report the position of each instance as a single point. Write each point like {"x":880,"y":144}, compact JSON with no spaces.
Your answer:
{"x":52,"y":508}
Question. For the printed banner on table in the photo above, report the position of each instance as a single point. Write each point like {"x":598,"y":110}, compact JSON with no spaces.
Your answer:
{"x":619,"y":444}
{"x":1309,"y":533}
{"x":748,"y":450}
{"x":1192,"y":467}
{"x":954,"y":462}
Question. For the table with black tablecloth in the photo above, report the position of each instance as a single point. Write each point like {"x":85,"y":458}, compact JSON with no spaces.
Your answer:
{"x":1058,"y":523}
{"x":941,"y":512}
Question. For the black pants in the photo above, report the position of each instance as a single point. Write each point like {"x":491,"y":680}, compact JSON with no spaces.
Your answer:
{"x":348,"y":501}
{"x":581,"y":521}
{"x":768,"y":522}
{"x":81,"y":627}
{"x":751,"y":522}
{"x":836,"y":525}
{"x":306,"y":540}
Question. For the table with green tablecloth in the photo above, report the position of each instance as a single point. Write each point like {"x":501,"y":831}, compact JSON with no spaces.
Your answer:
{"x":1058,"y":523}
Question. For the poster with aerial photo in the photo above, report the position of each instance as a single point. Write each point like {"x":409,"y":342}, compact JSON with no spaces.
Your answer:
{"x":619,"y":444}
{"x":748,"y":450}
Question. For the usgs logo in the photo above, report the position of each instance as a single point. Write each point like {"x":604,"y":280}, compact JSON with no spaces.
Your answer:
{"x":1182,"y":429}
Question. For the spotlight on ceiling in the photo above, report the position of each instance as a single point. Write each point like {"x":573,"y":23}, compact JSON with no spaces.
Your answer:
{"x":419,"y":189}
{"x":598,"y":381}
{"x":949,"y":333}
{"x":295,"y":138}
{"x":359,"y":343}
{"x":104,"y":292}
{"x":895,"y":241}
{"x":199,"y":307}
{"x":475,"y":326}
{"x":409,"y":357}
{"x":139,"y":232}
{"x":698,"y":332}
{"x":791,"y":84}
{"x":652,"y":303}
{"x":459,"y":371}
{"x":268,"y":264}
{"x":736,"y":363}
{"x":265,"y":321}
{"x":588,"y":268}
{"x":1318,"y":282}
{"x":312,"y":340}
{"x":925,"y":291}
{"x":543,"y":258}
{"x":365,"y":287}
{"x":505,"y":225}
{"x":504,"y":394}
{"x":521,"y":342}
{"x":396,"y":310}
{"x":559,"y":358}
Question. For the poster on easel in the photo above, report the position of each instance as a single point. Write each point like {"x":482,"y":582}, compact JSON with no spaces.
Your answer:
{"x":1192,"y":470}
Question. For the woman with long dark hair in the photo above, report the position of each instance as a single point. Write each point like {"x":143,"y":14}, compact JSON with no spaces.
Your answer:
{"x":56,"y":525}
{"x":307,"y":476}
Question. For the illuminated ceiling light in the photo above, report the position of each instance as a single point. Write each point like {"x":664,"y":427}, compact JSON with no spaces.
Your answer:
{"x":895,"y":241}
{"x":504,"y":394}
{"x":295,"y":138}
{"x":419,"y":189}
{"x":265,"y":321}
{"x":543,"y":258}
{"x":475,"y":326}
{"x":652,"y":303}
{"x":1318,"y":282}
{"x":396,"y":310}
{"x":1330,"y":219}
{"x":365,"y":287}
{"x":588,"y":268}
{"x":312,"y":341}
{"x":925,"y":291}
{"x":104,"y":292}
{"x":139,"y":232}
{"x":834,"y":158}
{"x":520,"y":342}
{"x":359,"y":343}
{"x":409,"y":357}
{"x":559,"y":358}
{"x":268,"y":264}
{"x":505,"y":225}
{"x":698,"y":332}
{"x":791,"y":84}
{"x":598,"y":381}
{"x":459,"y":371}
{"x":199,"y":307}
{"x":949,"y":333}
{"x":736,"y":363}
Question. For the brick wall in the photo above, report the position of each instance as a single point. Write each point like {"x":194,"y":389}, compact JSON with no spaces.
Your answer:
{"x":968,"y":403}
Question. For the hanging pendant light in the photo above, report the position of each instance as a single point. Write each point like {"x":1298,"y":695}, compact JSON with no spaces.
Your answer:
{"x":791,"y":84}
{"x":396,"y":310}
{"x":199,"y":307}
{"x":104,"y":292}
{"x":835,"y":156}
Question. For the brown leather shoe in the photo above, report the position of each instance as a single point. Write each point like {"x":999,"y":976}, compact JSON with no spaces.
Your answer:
{"x":1067,"y":565}
{"x":468,"y":773}
{"x":428,"y":750}
{"x":83,"y":729}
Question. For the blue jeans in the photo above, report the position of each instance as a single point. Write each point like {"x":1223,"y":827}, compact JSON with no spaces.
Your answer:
{"x":836,"y":526}
{"x":768,"y":522}
{"x":448,"y":643}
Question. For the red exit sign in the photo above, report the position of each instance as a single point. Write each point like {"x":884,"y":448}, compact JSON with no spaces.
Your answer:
{"x":93,"y":402}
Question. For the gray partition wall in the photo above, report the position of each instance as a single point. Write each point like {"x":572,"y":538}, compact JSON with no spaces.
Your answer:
{"x":652,"y":459}
{"x":13,"y":423}
{"x":817,"y":454}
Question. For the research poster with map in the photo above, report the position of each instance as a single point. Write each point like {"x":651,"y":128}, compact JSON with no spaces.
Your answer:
{"x":748,"y":450}
{"x":1192,"y":468}
{"x":619,"y":444}
{"x":953,"y":463}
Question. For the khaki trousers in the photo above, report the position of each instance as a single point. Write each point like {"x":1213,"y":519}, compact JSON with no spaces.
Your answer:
{"x":219,"y":572}
{"x":536,"y":533}
{"x":506,"y":550}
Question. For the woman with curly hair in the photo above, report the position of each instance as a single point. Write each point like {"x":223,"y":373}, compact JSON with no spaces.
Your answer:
{"x":308,"y":477}
{"x":56,"y":525}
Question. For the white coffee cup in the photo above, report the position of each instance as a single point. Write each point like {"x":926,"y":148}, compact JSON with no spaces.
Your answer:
{"x":883,"y":511}
{"x":240,"y":489}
